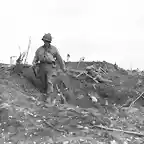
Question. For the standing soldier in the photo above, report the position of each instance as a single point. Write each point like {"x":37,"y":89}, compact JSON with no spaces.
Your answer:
{"x":47,"y":55}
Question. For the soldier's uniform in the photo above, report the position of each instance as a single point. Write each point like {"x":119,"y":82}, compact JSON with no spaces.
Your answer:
{"x":47,"y":57}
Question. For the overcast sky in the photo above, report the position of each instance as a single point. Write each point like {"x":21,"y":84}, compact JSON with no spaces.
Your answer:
{"x":110,"y":30}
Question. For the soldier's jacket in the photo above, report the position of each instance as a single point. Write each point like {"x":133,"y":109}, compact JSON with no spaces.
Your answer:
{"x":48,"y":55}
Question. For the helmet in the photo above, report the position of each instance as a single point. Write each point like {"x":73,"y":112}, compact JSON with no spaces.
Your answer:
{"x":47,"y":37}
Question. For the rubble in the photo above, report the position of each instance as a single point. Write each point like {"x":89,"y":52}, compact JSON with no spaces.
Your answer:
{"x":97,"y":103}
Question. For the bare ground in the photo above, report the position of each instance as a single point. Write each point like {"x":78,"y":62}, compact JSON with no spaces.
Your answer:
{"x":25,"y":118}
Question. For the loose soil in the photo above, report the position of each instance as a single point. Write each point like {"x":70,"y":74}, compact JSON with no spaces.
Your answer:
{"x":93,"y":112}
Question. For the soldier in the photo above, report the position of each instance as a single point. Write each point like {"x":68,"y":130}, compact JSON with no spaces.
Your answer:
{"x":47,"y":55}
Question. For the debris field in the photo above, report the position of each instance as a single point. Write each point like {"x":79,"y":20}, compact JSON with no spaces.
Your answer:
{"x":96,"y":102}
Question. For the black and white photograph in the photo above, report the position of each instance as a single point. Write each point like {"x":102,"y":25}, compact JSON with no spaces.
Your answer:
{"x":72,"y":72}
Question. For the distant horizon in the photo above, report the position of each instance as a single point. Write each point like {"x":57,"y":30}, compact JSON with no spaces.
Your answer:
{"x":86,"y":62}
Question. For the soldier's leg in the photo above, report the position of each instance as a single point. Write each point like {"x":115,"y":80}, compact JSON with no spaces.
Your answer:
{"x":43,"y":79}
{"x":45,"y":83}
{"x":49,"y":84}
{"x":50,"y":79}
{"x":49,"y":89}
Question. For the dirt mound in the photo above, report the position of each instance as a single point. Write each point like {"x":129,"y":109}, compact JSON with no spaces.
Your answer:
{"x":79,"y":88}
{"x":103,"y":115}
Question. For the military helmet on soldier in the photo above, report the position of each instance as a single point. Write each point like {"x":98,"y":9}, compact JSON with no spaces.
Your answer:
{"x":47,"y":37}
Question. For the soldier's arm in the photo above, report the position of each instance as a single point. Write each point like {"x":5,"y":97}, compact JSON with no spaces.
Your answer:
{"x":36,"y":59}
{"x":59,"y":60}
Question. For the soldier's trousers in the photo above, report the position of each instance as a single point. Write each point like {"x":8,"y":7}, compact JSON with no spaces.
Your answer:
{"x":47,"y":75}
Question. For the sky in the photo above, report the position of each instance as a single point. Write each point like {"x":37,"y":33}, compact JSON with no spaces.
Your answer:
{"x":99,"y":30}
